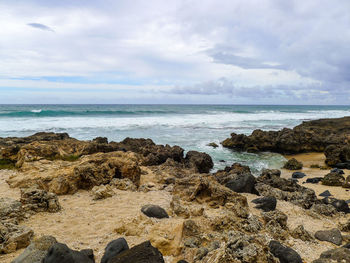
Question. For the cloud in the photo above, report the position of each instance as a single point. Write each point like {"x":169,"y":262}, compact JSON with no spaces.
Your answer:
{"x":40,"y":26}
{"x":260,"y":48}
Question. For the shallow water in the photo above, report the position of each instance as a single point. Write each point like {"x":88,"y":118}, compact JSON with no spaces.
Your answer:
{"x":189,"y":126}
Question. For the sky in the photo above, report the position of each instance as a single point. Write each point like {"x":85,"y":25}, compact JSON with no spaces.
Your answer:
{"x":183,"y":51}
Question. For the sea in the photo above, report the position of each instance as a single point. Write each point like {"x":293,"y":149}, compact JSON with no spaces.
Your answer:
{"x":192,"y":127}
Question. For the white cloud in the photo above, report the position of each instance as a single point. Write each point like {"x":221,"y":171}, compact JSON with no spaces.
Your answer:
{"x":266,"y":44}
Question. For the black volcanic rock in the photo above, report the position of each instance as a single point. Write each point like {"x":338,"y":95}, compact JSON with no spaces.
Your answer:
{"x":266,"y":204}
{"x":142,"y":253}
{"x":154,"y":211}
{"x":284,"y":254}
{"x":114,"y":248}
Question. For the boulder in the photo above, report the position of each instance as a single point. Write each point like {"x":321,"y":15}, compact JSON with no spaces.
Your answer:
{"x":36,"y":251}
{"x":38,"y":200}
{"x":59,"y":253}
{"x":333,"y":179}
{"x":213,"y":144}
{"x":114,"y":248}
{"x":238,"y":178}
{"x":283,"y":253}
{"x":266,"y":204}
{"x":293,"y":164}
{"x":99,"y":192}
{"x":154,"y":211}
{"x":201,"y":162}
{"x":298,"y":175}
{"x":314,"y":180}
{"x":14,"y":237}
{"x":333,"y":236}
{"x":142,"y":253}
{"x":346,"y":184}
{"x":10,"y":209}
{"x":334,"y":255}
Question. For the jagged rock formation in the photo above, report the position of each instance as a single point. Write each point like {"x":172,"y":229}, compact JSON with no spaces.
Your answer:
{"x":325,"y":135}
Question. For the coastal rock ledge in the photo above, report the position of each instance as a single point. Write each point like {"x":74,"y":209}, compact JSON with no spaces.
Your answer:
{"x":331,"y":136}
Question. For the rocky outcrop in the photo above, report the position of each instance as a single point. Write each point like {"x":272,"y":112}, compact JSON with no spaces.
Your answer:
{"x":38,"y":200}
{"x":293,"y":164}
{"x":201,"y":162}
{"x":238,"y":178}
{"x":269,"y":183}
{"x":310,"y":136}
{"x":333,"y":179}
{"x":13,"y":237}
{"x":89,"y":171}
{"x":204,"y":188}
{"x":10,"y":209}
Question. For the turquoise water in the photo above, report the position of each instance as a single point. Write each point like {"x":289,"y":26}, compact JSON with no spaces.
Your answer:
{"x":189,"y":126}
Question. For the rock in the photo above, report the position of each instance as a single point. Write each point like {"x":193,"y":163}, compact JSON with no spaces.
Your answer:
{"x":293,"y":164}
{"x":343,"y":165}
{"x":310,"y":136}
{"x":153,"y":154}
{"x":324,"y":209}
{"x":204,"y":188}
{"x":10,"y":209}
{"x":101,"y":140}
{"x":154,"y":211}
{"x":238,"y":178}
{"x":284,"y":254}
{"x":333,"y":236}
{"x":38,"y":200}
{"x":271,"y":184}
{"x":213,"y":144}
{"x":142,"y":253}
{"x":333,"y":179}
{"x":14,"y":237}
{"x":300,"y":233}
{"x":337,"y":170}
{"x":325,"y":194}
{"x":334,"y":255}
{"x":60,"y":253}
{"x":202,"y":162}
{"x":341,"y":206}
{"x":242,"y":248}
{"x":114,"y":248}
{"x":266,"y":204}
{"x":36,"y":251}
{"x":298,"y":175}
{"x":182,"y":261}
{"x":101,"y":192}
{"x":252,"y":224}
{"x":124,"y":184}
{"x":87,"y":172}
{"x":337,"y":154}
{"x":314,"y":180}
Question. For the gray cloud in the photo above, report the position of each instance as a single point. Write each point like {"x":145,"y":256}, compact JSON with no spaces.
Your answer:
{"x":40,"y":26}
